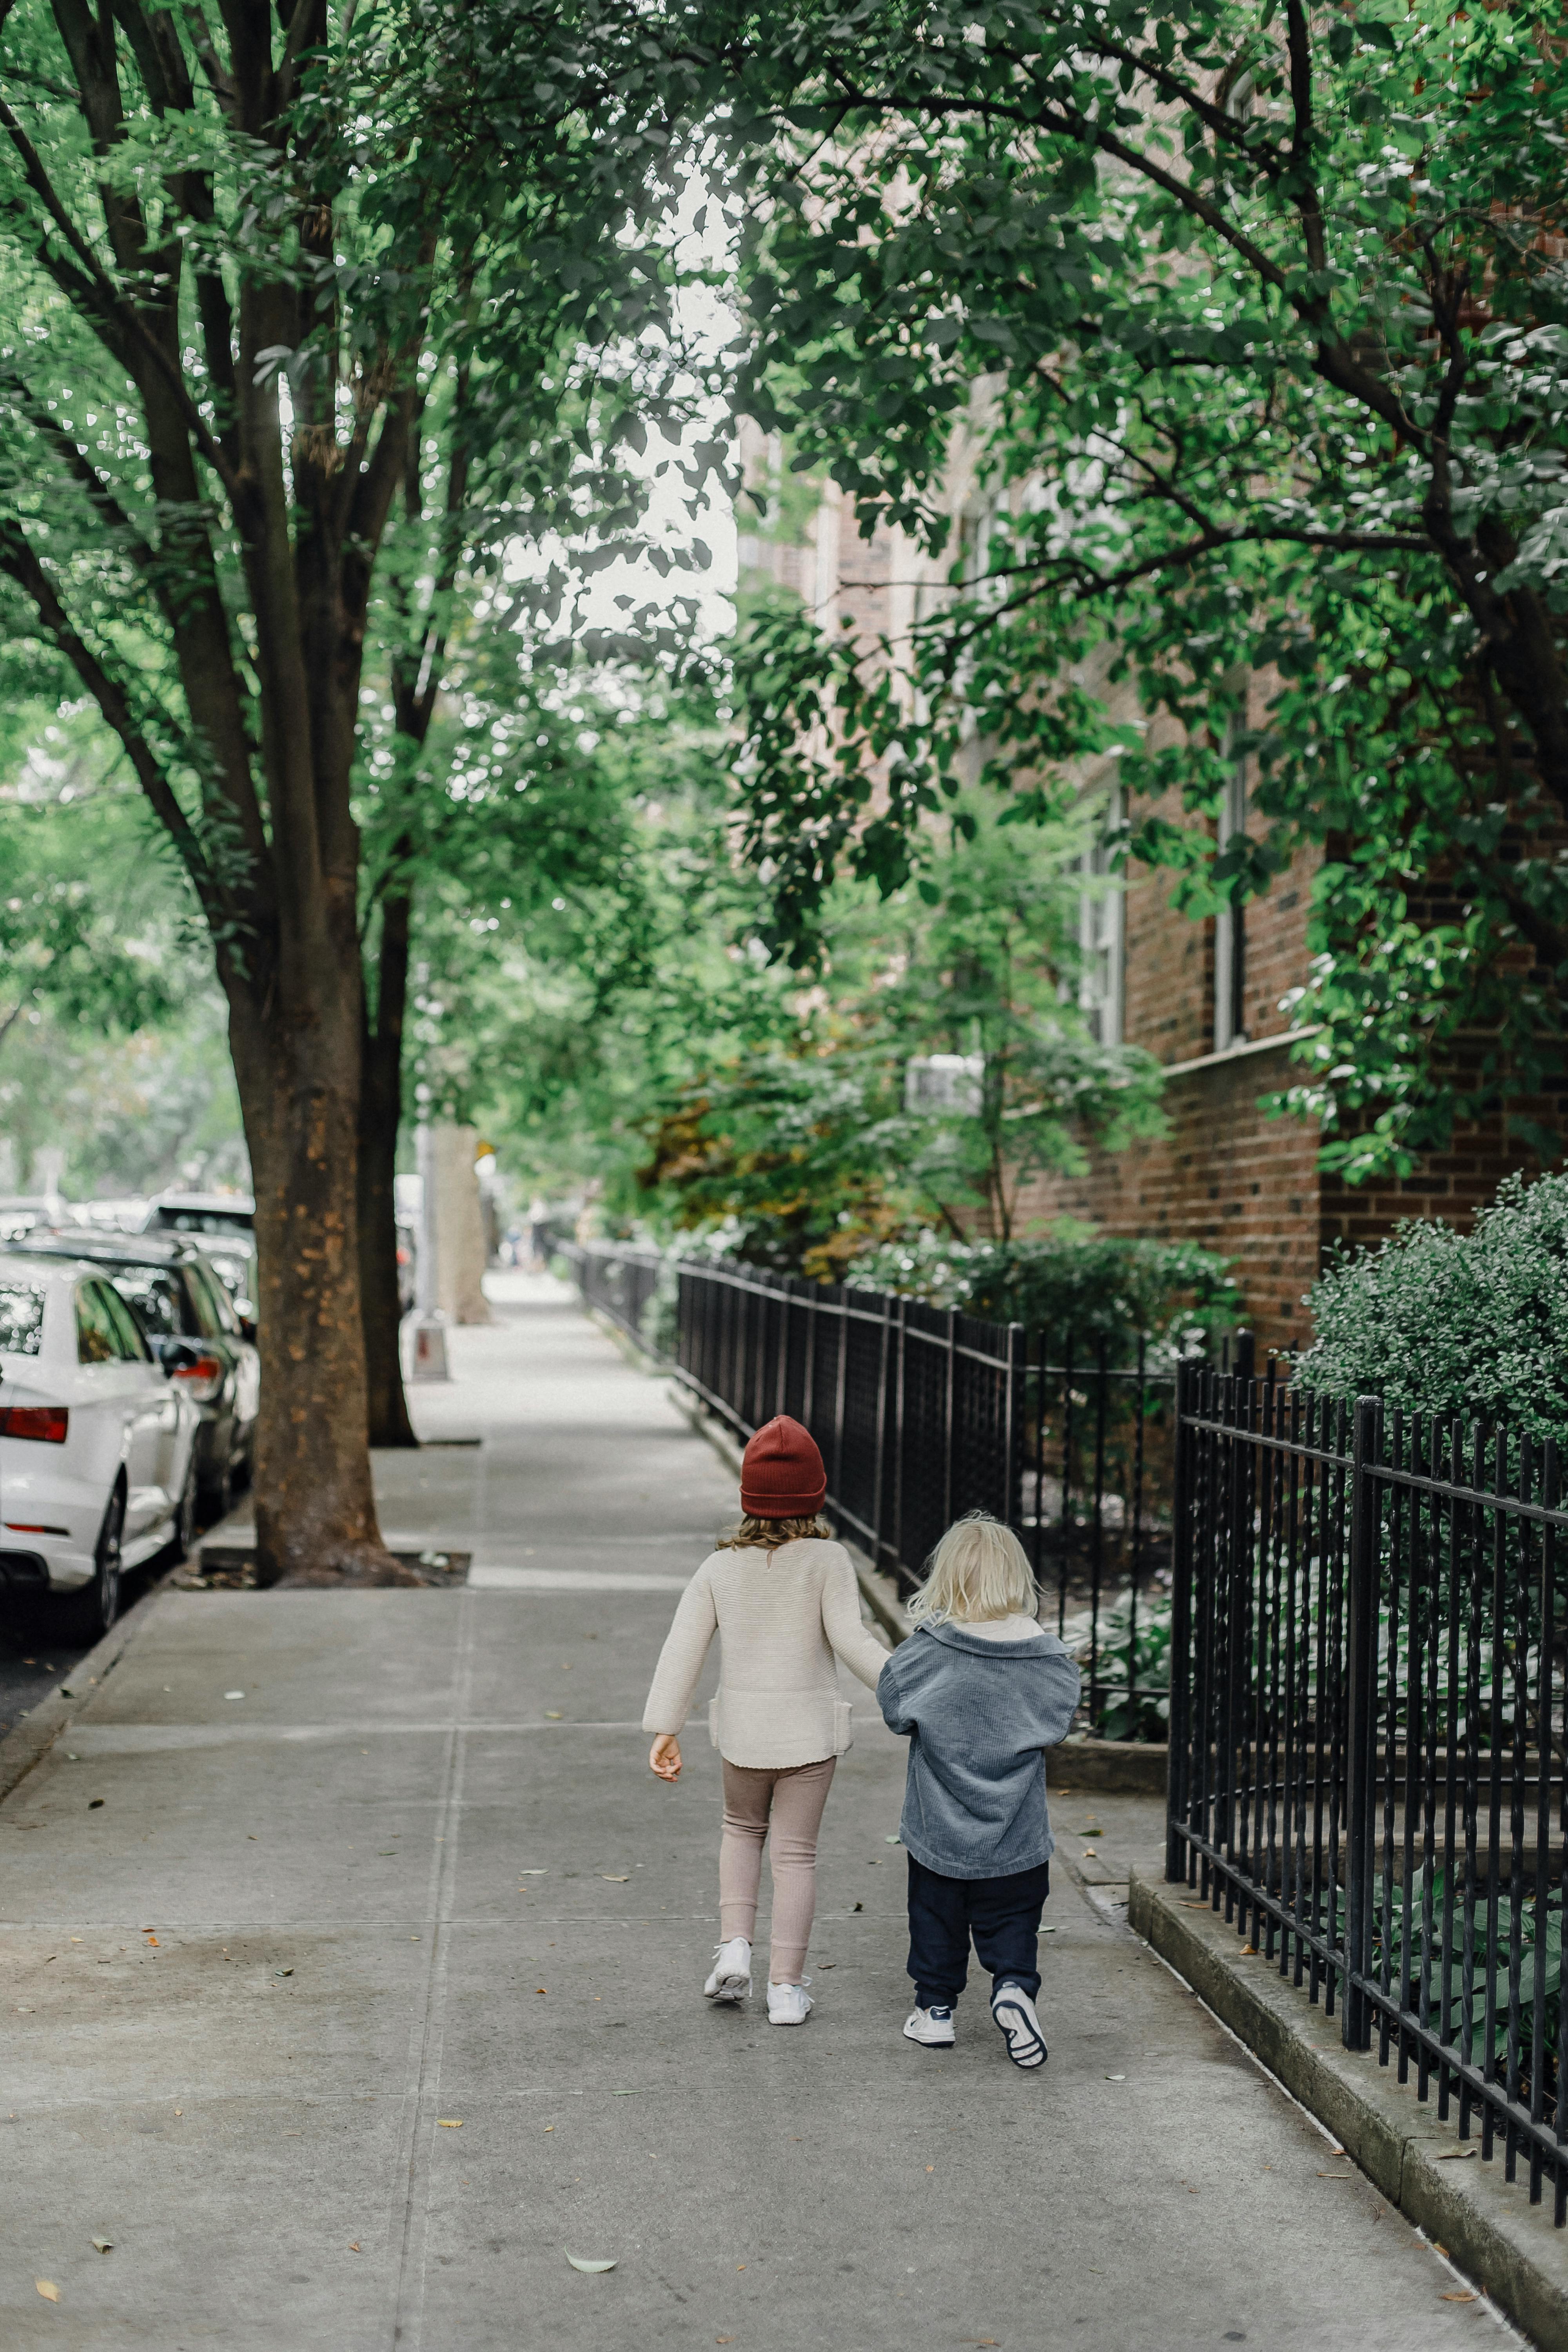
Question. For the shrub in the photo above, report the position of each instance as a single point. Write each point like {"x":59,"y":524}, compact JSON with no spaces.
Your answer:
{"x":1076,"y":1284}
{"x":1439,"y":1321}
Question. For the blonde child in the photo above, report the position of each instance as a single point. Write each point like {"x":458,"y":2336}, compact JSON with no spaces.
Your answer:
{"x":980,"y":1691}
{"x":782,"y":1596}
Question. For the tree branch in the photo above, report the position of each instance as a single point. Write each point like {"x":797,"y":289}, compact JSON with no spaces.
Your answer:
{"x":18,"y":560}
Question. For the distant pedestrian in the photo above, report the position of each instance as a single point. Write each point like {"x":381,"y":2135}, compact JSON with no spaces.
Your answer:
{"x":539,"y":1233}
{"x":980,"y":1691}
{"x":782,"y":1596}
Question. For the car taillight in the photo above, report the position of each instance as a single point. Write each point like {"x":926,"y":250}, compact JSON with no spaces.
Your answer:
{"x":201,"y":1379}
{"x":48,"y":1422}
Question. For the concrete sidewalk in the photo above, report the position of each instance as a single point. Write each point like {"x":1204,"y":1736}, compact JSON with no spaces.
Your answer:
{"x":370,"y":1989}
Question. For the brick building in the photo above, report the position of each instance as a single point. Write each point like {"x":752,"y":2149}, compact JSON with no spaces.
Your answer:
{"x":1202,"y":997}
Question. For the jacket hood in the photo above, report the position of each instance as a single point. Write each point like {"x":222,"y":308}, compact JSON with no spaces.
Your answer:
{"x":974,"y":1646}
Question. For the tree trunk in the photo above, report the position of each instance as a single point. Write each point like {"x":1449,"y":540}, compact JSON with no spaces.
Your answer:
{"x":297,"y":1059}
{"x":380,"y":1104}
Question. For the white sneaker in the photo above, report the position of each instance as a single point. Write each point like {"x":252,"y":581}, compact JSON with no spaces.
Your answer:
{"x":732,"y":1977}
{"x":1015,"y":2013}
{"x":932,"y":2028}
{"x":789,"y":2004}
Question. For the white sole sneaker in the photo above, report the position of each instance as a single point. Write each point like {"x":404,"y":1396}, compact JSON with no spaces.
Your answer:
{"x":1020,"y":2028}
{"x":731,"y":1978}
{"x":932,"y":2028}
{"x":789,"y":2004}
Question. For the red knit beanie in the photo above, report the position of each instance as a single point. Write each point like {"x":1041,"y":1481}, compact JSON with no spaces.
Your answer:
{"x":781,"y":1477}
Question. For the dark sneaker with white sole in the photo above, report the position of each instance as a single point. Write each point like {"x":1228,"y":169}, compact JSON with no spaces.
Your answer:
{"x":1014,"y":2014}
{"x":932,"y":2028}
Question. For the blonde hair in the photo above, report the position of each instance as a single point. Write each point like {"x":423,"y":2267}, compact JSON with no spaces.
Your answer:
{"x":767,"y":1535}
{"x":978,"y":1571}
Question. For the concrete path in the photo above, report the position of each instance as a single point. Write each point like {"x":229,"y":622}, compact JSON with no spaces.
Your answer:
{"x":370,"y":1991}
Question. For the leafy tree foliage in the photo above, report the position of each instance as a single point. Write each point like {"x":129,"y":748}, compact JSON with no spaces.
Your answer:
{"x":309,"y":316}
{"x":812,"y":1148}
{"x":1253,"y":323}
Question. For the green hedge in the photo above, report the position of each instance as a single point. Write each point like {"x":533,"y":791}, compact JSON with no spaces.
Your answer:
{"x":1095,"y":1290}
{"x":1440,"y":1321}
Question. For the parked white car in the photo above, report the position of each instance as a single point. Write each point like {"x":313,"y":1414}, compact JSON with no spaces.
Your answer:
{"x":98,"y":1444}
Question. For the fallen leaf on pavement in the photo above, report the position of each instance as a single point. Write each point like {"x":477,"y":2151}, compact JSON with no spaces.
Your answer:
{"x":282,"y":1972}
{"x":1116,"y":2078}
{"x":578,"y":2263}
{"x":552,"y":1715}
{"x":1454,"y":2155}
{"x":539,"y":1988}
{"x":1456,"y":2295}
{"x":47,"y":2289}
{"x":892,"y":1841}
{"x":623,"y":2095}
{"x":93,"y":1803}
{"x":856,"y":1907}
{"x":450,"y":2123}
{"x":625,"y":1880}
{"x":533,"y":1874}
{"x":103,"y":2244}
{"x":354,"y":2248}
{"x":1336,"y":2176}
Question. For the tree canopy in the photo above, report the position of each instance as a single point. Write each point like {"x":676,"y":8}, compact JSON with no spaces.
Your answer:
{"x":1253,"y":323}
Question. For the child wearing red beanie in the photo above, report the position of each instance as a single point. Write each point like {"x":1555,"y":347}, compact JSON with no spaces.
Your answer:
{"x":781,"y":1594}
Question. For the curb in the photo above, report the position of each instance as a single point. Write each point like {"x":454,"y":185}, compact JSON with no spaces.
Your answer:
{"x":31,"y":1741}
{"x":1111,"y":1768}
{"x":1483,"y":2222}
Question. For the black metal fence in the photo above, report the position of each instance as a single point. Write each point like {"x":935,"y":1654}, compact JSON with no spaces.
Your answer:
{"x":1367,"y":1734}
{"x":923,"y":1414}
{"x":619,"y":1282}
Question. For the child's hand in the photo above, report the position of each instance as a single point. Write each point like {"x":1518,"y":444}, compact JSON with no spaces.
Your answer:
{"x":665,"y":1757}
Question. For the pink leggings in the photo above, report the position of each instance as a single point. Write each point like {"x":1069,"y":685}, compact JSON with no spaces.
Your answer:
{"x":791,"y":1803}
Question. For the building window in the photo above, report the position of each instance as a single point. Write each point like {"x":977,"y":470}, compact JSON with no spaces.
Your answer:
{"x":1101,"y":933}
{"x":1230,"y":930}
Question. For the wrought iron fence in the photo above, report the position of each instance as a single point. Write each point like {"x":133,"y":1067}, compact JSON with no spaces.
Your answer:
{"x":1367,"y":1734}
{"x":923,"y":1414}
{"x":619,"y":1282}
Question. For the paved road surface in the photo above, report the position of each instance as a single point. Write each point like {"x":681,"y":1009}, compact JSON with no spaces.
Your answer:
{"x":371,"y":1990}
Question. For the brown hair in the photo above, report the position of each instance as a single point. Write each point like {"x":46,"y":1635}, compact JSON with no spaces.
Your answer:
{"x":767,"y":1535}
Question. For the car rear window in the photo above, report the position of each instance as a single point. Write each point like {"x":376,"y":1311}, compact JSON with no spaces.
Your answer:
{"x":21,"y":1318}
{"x":133,"y":1349}
{"x":155,"y":1292}
{"x":206,"y":1220}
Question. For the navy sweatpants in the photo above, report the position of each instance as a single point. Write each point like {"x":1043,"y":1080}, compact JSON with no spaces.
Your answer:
{"x":1002,"y":1915}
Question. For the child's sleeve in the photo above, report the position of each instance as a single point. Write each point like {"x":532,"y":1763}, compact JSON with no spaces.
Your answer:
{"x":1063,"y":1686}
{"x":890,"y":1699}
{"x":841,"y":1622}
{"x":681,"y":1661}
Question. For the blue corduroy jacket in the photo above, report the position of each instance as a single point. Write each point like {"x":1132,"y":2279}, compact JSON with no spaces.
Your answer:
{"x":978,"y":1715}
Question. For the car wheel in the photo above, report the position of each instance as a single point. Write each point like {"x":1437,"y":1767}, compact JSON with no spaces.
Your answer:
{"x":86,"y":1616}
{"x":217,"y":1495}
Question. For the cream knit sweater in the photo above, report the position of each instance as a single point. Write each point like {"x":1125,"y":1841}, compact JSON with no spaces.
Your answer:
{"x":780,"y":1616}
